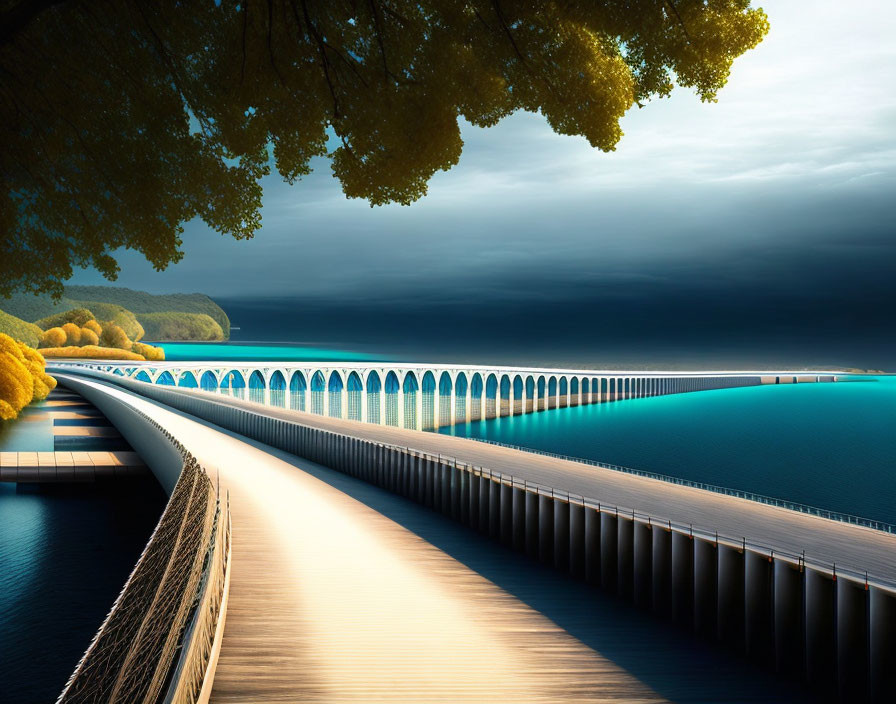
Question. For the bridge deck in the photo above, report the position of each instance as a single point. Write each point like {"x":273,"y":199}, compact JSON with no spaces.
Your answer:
{"x":332,"y":600}
{"x":831,"y":542}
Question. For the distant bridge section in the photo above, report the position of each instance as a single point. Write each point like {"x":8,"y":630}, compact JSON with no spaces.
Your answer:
{"x":430,"y":396}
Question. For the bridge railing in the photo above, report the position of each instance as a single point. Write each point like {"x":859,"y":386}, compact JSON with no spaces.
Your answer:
{"x":157,"y":642}
{"x":715,"y":488}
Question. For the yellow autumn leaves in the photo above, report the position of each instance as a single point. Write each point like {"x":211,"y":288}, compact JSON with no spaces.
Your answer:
{"x":22,"y":377}
{"x":95,"y":340}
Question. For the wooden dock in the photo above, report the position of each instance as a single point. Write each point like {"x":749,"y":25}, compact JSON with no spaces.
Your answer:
{"x":51,"y":467}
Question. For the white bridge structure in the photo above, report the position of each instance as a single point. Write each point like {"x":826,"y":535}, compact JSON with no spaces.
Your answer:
{"x":427,"y":396}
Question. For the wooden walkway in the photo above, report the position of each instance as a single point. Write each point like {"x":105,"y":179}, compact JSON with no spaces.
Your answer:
{"x":333,"y":601}
{"x":68,"y":466}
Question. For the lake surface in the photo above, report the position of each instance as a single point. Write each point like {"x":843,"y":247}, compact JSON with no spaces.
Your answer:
{"x":65,"y":554}
{"x":827,"y":445}
{"x":249,"y":352}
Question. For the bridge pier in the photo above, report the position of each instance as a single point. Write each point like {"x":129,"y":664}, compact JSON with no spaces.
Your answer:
{"x":661,"y":571}
{"x":561,"y":535}
{"x":731,"y":596}
{"x":642,"y":585}
{"x":577,"y":540}
{"x":788,"y":615}
{"x":609,"y":563}
{"x":820,"y":634}
{"x":852,"y":640}
{"x":533,"y":528}
{"x":592,"y":545}
{"x":882,"y":656}
{"x":706,"y":576}
{"x":546,"y":529}
{"x":519,"y":519}
{"x":683,"y":579}
{"x":758,"y":614}
{"x":625,"y":556}
{"x":506,"y":514}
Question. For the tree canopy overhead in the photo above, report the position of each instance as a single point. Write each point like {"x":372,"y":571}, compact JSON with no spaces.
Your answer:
{"x":122,"y":120}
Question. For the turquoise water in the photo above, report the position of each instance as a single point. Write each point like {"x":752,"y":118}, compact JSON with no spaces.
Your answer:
{"x":832,"y":446}
{"x":32,"y":431}
{"x":228,"y":352}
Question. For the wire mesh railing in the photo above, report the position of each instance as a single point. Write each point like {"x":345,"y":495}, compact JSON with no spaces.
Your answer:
{"x":155,"y":643}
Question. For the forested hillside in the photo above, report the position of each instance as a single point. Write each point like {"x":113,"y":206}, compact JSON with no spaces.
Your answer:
{"x":185,"y":314}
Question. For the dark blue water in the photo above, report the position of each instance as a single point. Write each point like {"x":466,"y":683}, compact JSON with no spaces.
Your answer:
{"x":827,"y":445}
{"x":65,"y":553}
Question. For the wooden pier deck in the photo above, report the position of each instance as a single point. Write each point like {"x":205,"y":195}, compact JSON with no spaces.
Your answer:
{"x":332,"y":600}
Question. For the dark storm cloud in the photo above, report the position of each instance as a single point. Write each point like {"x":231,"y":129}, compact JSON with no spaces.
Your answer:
{"x":762,"y":224}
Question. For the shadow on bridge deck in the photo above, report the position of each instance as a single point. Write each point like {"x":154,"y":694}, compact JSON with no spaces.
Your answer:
{"x":636,"y":658}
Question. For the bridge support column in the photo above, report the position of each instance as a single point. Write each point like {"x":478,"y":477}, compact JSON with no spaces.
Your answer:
{"x":577,"y":540}
{"x":730,"y":617}
{"x":457,"y":492}
{"x":706,"y":597}
{"x":852,"y":640}
{"x":484,"y":483}
{"x":642,"y":586}
{"x":561,"y":535}
{"x":465,"y":475}
{"x":546,"y":529}
{"x":532,"y":524}
{"x":683,"y":579}
{"x":883,"y":646}
{"x":494,"y":508}
{"x":662,"y":571}
{"x":609,"y":564}
{"x":821,"y":664}
{"x":758,"y":618}
{"x":592,"y":545}
{"x":473,"y":509}
{"x":519,"y":518}
{"x":506,"y":514}
{"x":788,"y":608}
{"x":625,"y":556}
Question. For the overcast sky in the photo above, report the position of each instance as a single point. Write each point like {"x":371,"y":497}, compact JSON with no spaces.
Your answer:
{"x":780,"y":195}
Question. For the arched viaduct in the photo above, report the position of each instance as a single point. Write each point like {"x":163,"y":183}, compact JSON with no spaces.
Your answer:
{"x":429,"y":396}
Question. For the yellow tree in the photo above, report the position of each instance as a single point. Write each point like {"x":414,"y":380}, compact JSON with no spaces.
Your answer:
{"x":121,"y":119}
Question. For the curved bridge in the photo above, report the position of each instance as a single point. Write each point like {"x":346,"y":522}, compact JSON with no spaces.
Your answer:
{"x":429,"y":396}
{"x":788,"y":589}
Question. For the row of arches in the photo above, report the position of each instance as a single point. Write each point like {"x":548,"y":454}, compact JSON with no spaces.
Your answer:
{"x":421,"y":399}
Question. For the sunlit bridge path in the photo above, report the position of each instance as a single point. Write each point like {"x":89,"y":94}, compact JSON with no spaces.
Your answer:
{"x":343,"y":592}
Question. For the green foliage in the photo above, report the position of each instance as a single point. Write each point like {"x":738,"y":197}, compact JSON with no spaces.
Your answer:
{"x":95,"y":160}
{"x":114,"y":336}
{"x":141,"y":302}
{"x":54,"y":337}
{"x":91,"y":352}
{"x":72,"y":334}
{"x":89,"y":337}
{"x":18,"y":329}
{"x":94,"y":327}
{"x":122,"y":317}
{"x":127,"y":309}
{"x":181,"y":326}
{"x":78,"y":316}
{"x":150,"y":353}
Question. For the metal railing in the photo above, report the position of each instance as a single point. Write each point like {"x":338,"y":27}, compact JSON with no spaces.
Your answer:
{"x":798,"y":559}
{"x":715,"y":488}
{"x":155,"y":644}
